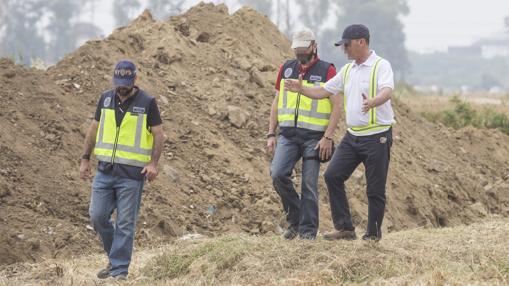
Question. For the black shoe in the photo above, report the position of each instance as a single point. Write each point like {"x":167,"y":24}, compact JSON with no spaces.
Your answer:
{"x":104,"y":273}
{"x":307,"y":236}
{"x":290,"y":233}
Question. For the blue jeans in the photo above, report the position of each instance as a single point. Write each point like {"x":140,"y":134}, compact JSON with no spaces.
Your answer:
{"x":109,"y":193}
{"x":301,"y":212}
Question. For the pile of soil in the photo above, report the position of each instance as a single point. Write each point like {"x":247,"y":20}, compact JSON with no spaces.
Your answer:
{"x":213,"y":76}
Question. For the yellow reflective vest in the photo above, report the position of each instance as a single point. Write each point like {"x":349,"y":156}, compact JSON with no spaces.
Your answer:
{"x":131,"y":142}
{"x":372,"y":126}
{"x":296,"y":110}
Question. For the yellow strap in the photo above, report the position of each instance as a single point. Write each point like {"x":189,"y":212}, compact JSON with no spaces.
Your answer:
{"x":346,"y":73}
{"x":372,"y":90}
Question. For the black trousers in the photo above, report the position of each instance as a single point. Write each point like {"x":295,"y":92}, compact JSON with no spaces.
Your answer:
{"x":374,"y":152}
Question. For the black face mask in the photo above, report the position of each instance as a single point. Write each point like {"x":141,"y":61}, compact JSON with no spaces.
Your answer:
{"x":305,"y":58}
{"x":124,"y":91}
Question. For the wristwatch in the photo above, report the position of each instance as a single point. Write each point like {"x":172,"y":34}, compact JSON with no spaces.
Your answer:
{"x":85,"y":157}
{"x":328,"y":138}
{"x":271,"y":135}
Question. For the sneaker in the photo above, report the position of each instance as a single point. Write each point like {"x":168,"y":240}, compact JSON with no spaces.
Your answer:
{"x":104,"y":273}
{"x":290,"y":233}
{"x":340,"y":234}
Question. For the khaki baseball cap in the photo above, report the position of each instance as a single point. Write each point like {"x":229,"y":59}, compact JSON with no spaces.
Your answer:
{"x":302,"y":38}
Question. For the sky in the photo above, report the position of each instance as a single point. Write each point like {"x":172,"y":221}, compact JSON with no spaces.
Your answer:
{"x":431,"y":25}
{"x":436,"y":24}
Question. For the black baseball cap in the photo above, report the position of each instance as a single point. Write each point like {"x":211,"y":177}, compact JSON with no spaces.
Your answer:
{"x":354,"y":32}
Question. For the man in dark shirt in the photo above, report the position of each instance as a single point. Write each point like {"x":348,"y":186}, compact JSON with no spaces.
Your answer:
{"x":127,"y":139}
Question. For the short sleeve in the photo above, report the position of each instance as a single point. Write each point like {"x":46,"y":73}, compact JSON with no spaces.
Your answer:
{"x":154,"y":116}
{"x":335,"y":84}
{"x":385,"y":75}
{"x":278,"y":79}
{"x":331,"y":72}
{"x":97,"y":115}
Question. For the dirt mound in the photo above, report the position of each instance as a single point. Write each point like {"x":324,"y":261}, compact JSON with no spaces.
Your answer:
{"x":213,"y":75}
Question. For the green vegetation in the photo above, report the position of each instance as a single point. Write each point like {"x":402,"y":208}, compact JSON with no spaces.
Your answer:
{"x":463,"y":114}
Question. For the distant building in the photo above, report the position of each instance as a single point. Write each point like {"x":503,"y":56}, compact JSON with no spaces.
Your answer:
{"x":495,"y":48}
{"x":465,"y":51}
{"x":486,"y":48}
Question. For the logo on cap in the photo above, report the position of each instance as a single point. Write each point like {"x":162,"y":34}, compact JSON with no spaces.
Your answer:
{"x":124,"y":73}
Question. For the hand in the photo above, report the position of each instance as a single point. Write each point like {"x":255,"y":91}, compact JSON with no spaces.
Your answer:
{"x":366,"y":104}
{"x":324,"y":147}
{"x":294,"y":85}
{"x":85,"y":170}
{"x":271,"y":145}
{"x":150,"y":172}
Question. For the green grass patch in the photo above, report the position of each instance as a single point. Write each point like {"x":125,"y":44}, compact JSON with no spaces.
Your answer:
{"x":463,"y":114}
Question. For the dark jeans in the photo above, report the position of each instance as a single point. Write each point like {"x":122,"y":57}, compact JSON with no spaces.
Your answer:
{"x":301,"y":212}
{"x":374,"y":152}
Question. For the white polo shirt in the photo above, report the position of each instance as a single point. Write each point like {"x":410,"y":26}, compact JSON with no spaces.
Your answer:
{"x":358,"y":83}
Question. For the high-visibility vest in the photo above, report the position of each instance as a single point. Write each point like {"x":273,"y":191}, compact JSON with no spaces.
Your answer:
{"x":296,"y":110}
{"x":131,"y":142}
{"x":372,"y":126}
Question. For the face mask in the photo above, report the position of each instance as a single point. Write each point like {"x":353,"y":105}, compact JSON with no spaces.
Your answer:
{"x":304,"y":58}
{"x":124,"y":91}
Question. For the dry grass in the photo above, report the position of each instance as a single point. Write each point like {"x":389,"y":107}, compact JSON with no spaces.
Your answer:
{"x":476,"y":254}
{"x":435,"y":103}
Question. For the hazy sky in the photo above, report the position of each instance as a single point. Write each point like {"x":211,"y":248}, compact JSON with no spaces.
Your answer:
{"x":431,"y":25}
{"x":436,"y":24}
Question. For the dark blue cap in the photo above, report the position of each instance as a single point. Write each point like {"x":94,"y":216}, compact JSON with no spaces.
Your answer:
{"x":354,"y":32}
{"x":125,"y":73}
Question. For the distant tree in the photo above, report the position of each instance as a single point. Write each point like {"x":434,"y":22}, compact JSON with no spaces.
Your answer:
{"x":22,"y":37}
{"x":382,"y":18}
{"x":122,"y":11}
{"x":64,"y":29}
{"x":162,"y":9}
{"x":314,"y":14}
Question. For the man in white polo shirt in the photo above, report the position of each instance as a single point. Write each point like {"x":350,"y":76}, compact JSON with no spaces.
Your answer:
{"x":367,"y":84}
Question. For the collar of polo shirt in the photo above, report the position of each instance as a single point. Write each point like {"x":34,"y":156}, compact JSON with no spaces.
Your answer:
{"x":370,"y":61}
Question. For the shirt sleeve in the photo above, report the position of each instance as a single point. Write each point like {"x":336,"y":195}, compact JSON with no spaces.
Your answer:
{"x":331,"y":72}
{"x":97,"y":116}
{"x":279,"y":75}
{"x":335,"y":84}
{"x":385,"y":75}
{"x":154,"y":116}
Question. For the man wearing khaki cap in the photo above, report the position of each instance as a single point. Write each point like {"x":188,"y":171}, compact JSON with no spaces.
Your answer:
{"x":306,"y":127}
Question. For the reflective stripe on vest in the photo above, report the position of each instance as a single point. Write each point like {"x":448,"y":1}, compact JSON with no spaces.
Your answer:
{"x":310,"y":113}
{"x":129,"y":144}
{"x":372,"y":123}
